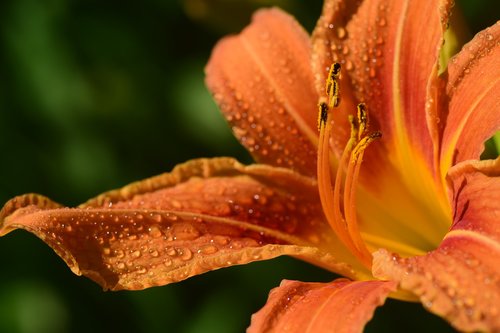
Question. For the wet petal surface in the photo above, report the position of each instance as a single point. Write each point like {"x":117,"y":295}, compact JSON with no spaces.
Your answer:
{"x":204,"y":215}
{"x":474,"y":82}
{"x":460,"y":280}
{"x":340,"y":306}
{"x":262,"y":81}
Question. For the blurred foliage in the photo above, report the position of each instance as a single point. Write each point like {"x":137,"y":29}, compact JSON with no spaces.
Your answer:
{"x":94,"y":95}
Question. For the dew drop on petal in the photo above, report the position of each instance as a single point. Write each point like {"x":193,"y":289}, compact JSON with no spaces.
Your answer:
{"x":185,"y":254}
{"x":185,"y":232}
{"x":220,"y":240}
{"x":141,"y":269}
{"x":208,"y":249}
{"x":154,"y":231}
{"x":171,"y":251}
{"x":341,"y":33}
{"x":349,"y":65}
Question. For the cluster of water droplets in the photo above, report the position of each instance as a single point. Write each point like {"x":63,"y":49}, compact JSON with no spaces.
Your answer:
{"x":257,"y":105}
{"x":483,"y":46}
{"x":161,"y":236}
{"x":156,"y":245}
{"x":444,"y":286}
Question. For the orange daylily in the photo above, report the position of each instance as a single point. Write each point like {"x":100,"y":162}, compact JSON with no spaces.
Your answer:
{"x":417,"y":220}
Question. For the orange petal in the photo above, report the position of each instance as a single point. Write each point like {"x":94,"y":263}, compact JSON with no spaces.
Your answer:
{"x":473,"y":86}
{"x":475,"y":189}
{"x":340,"y":306}
{"x":394,"y":55}
{"x":204,"y":215}
{"x":327,"y":44}
{"x":391,"y":58}
{"x":262,"y":81}
{"x":459,"y":281}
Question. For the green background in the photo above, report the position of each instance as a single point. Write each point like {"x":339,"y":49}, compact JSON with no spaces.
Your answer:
{"x":96,"y":94}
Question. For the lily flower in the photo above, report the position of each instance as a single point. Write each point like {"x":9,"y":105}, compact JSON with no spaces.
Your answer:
{"x":385,"y":186}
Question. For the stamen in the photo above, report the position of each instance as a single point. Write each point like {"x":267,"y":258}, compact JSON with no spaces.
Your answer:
{"x":342,"y":217}
{"x":363,"y":144}
{"x":328,"y":202}
{"x":350,"y":189}
{"x":339,"y":177}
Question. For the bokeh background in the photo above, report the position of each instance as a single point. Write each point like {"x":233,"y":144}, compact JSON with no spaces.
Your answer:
{"x":96,"y":94}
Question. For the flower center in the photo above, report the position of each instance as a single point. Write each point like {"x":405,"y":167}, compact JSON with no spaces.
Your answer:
{"x":339,"y":201}
{"x":395,"y":217}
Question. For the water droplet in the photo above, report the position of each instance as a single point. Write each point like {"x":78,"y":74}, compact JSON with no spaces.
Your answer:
{"x":349,"y":65}
{"x":141,"y":269}
{"x":184,"y":231}
{"x":172,"y":217}
{"x":220,"y":240}
{"x":167,"y":262}
{"x":208,"y":249}
{"x":136,"y":254}
{"x":382,"y":22}
{"x":154,"y":231}
{"x":106,"y":251}
{"x":341,"y":33}
{"x":185,"y":254}
{"x":120,"y":265}
{"x":154,"y":253}
{"x":372,"y":73}
{"x":236,"y":244}
{"x":171,"y":251}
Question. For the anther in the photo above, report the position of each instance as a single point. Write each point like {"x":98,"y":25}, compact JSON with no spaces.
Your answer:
{"x":362,"y":119}
{"x":332,"y":86}
{"x":363,"y":144}
{"x":322,"y":115}
{"x":335,"y":70}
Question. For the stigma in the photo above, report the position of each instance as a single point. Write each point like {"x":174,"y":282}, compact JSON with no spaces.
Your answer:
{"x":338,"y":196}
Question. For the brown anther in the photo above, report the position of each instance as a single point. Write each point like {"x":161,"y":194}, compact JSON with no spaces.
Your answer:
{"x":335,"y":70}
{"x":363,"y":144}
{"x":322,"y":114}
{"x":332,"y":86}
{"x":362,"y":119}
